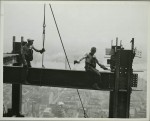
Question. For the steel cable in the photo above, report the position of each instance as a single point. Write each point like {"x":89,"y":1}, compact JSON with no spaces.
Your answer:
{"x":85,"y":115}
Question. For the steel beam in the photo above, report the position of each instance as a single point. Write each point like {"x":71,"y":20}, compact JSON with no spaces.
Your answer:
{"x":56,"y":78}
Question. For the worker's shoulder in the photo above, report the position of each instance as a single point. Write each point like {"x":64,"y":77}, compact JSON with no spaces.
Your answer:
{"x":89,"y":55}
{"x":24,"y":46}
{"x":86,"y":54}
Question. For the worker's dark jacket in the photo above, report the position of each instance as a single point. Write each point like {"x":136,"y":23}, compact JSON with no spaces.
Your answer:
{"x":27,"y":53}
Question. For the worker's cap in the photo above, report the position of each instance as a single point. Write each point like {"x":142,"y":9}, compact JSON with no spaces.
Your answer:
{"x":93,"y":49}
{"x":30,"y":40}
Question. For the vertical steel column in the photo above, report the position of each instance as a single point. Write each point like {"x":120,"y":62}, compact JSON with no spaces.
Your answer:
{"x":113,"y":103}
{"x":22,"y":39}
{"x":16,"y":99}
{"x":132,"y":45}
{"x":119,"y":104}
{"x":16,"y":92}
{"x":129,"y":74}
{"x":13,"y":43}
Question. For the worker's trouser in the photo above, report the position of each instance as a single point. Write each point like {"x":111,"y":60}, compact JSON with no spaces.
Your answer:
{"x":26,"y":66}
{"x":28,"y":63}
{"x":96,"y":73}
{"x":28,"y":59}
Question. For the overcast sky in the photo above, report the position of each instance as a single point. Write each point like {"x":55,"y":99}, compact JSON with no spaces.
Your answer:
{"x":81,"y":27}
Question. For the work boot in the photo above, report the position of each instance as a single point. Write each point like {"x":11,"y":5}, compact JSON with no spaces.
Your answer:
{"x":19,"y":115}
{"x":95,"y":86}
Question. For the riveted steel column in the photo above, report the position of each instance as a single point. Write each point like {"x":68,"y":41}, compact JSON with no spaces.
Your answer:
{"x":119,"y":105}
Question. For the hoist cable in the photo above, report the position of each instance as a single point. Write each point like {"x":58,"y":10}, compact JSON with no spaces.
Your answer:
{"x":44,"y":25}
{"x":60,"y":36}
{"x":85,"y":115}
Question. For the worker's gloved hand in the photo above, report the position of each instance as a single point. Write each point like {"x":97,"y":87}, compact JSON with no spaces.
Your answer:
{"x":75,"y":61}
{"x":43,"y":50}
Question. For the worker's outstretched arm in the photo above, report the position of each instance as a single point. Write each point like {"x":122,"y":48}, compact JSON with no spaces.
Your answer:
{"x":102,"y":66}
{"x":41,"y":51}
{"x":82,"y":59}
{"x":78,"y":61}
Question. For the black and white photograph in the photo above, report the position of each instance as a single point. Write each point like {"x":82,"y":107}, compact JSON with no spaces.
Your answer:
{"x":75,"y":60}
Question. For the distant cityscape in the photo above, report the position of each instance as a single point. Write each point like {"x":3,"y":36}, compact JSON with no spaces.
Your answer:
{"x":52,"y":102}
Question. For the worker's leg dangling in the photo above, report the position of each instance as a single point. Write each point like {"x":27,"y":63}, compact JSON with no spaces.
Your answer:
{"x":97,"y":77}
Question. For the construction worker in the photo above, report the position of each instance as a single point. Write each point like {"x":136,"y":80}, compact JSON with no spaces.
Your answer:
{"x":27,"y":53}
{"x":90,"y":66}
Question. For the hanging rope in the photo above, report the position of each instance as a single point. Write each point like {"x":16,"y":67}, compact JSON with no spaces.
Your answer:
{"x":44,"y":25}
{"x":43,"y":36}
{"x":60,"y":36}
{"x":85,"y":115}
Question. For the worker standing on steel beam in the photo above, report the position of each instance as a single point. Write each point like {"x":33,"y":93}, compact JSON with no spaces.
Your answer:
{"x":90,"y":66}
{"x":27,"y":53}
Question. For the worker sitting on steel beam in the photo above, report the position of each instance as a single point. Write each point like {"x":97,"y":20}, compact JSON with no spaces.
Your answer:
{"x":27,"y":53}
{"x":90,"y":66}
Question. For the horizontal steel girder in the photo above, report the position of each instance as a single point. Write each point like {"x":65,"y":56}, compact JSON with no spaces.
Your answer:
{"x":56,"y":78}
